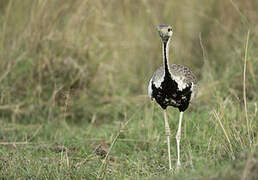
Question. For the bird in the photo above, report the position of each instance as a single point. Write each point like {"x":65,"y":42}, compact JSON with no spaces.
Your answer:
{"x":172,"y":85}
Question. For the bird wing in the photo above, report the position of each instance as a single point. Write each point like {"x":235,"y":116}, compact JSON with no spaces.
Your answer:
{"x":183,"y":71}
{"x":189,"y":77}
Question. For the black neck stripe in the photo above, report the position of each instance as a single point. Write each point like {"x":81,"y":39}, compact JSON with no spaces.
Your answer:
{"x":165,"y":58}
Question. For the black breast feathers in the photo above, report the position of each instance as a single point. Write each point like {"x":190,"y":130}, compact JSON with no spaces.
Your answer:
{"x":169,"y":94}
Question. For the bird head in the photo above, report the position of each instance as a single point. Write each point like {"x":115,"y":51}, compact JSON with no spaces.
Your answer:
{"x":165,"y":32}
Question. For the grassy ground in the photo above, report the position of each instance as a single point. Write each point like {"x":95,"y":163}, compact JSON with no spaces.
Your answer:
{"x":73,"y":84}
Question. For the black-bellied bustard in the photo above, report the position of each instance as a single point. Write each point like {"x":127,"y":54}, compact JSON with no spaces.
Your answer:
{"x":172,"y":85}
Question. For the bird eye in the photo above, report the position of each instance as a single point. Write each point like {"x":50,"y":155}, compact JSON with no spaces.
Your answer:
{"x":169,"y":29}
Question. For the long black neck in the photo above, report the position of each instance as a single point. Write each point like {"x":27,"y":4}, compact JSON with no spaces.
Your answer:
{"x":165,"y":57}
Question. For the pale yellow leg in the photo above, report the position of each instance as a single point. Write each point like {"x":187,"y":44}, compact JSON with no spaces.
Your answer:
{"x":167,"y":129}
{"x":178,"y":136}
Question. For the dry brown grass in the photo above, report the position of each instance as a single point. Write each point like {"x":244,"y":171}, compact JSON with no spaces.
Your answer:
{"x":90,"y":61}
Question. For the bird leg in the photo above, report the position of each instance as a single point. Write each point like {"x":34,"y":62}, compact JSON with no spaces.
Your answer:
{"x":178,"y":136}
{"x":167,"y":129}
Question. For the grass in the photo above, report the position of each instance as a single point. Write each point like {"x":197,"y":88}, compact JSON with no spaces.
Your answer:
{"x":73,"y":84}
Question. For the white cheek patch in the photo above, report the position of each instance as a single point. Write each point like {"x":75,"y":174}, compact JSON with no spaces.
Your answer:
{"x":180,"y":82}
{"x":158,"y":82}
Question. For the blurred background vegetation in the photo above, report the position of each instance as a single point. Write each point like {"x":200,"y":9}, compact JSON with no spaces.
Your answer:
{"x":87,"y":57}
{"x":89,"y":62}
